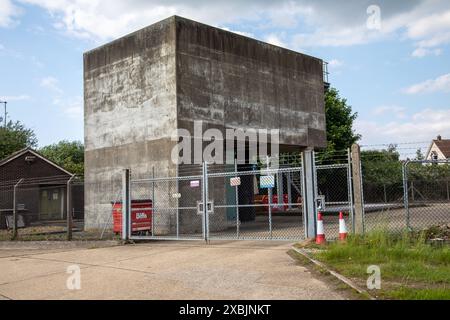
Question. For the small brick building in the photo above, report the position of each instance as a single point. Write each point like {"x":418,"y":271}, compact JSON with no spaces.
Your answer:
{"x":42,"y":191}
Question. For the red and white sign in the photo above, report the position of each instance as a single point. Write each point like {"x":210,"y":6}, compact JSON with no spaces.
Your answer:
{"x":195,"y":183}
{"x":234,"y":182}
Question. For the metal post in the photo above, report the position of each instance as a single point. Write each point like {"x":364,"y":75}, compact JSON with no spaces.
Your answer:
{"x":350,"y":189}
{"x":309,"y":193}
{"x":269,"y":192}
{"x":4,"y":120}
{"x":405,"y":191}
{"x":269,"y":201}
{"x":280,"y":189}
{"x":153,"y":201}
{"x":14,"y":235}
{"x":237,"y":201}
{"x":205,"y":202}
{"x":126,"y":204}
{"x":289,"y":189}
{"x":69,"y":211}
{"x":385,"y":195}
{"x":178,"y":204}
{"x":448,"y":193}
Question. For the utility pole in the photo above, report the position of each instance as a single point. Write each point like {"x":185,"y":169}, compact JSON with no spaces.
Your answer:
{"x":4,"y":102}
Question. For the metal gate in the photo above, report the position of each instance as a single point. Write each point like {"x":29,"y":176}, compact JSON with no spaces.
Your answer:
{"x":176,"y":211}
{"x":334,"y":194}
{"x":242,"y":203}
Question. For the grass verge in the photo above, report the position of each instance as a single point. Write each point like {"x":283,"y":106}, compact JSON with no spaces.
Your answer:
{"x":410,"y":267}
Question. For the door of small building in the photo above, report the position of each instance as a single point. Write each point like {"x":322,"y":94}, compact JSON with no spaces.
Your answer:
{"x":51,"y":204}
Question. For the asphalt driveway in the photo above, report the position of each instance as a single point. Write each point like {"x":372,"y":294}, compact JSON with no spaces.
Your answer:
{"x":159,"y":270}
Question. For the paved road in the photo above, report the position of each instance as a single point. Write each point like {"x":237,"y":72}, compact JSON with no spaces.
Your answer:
{"x":161,"y":270}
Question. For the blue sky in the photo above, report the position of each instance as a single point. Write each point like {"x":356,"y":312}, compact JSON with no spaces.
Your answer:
{"x":391,"y":61}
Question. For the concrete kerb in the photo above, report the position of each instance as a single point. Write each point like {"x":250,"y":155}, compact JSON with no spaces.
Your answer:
{"x":338,"y":276}
{"x":32,"y":245}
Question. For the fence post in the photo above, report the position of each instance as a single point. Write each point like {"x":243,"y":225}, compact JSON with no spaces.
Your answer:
{"x":14,"y":235}
{"x":350,"y":189}
{"x":237,"y":200}
{"x":69,"y":209}
{"x":309,"y":194}
{"x":405,"y":191}
{"x":357,"y":189}
{"x":448,"y":193}
{"x":126,"y":204}
{"x":205,"y":201}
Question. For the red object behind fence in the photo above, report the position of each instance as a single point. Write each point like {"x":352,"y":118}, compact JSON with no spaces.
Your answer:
{"x":275,"y":206}
{"x":141,"y":216}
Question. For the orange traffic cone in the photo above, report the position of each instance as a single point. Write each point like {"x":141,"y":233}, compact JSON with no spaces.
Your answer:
{"x":320,"y":235}
{"x":342,"y":227}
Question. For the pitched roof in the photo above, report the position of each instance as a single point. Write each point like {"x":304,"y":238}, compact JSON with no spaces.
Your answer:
{"x":28,"y":149}
{"x":444,"y":146}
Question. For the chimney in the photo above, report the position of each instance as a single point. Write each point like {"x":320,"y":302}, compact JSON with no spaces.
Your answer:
{"x":439,"y":137}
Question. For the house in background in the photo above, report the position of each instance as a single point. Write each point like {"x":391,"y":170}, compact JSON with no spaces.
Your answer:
{"x":439,"y":149}
{"x":42,"y":192}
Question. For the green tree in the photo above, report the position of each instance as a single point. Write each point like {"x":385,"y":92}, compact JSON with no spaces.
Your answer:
{"x":339,"y":119}
{"x":419,"y":155}
{"x":382,"y":167}
{"x":15,"y":137}
{"x":69,"y":155}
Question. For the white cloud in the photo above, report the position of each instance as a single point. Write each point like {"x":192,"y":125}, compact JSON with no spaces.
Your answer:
{"x":323,"y":23}
{"x":103,"y":20}
{"x":52,"y":84}
{"x":242,"y":33}
{"x":275,"y":40}
{"x":8,"y":11}
{"x":15,"y":98}
{"x":422,"y":126}
{"x":440,"y":84}
{"x":394,"y":110}
{"x":422,"y":52}
{"x":70,"y":106}
{"x":335,"y":63}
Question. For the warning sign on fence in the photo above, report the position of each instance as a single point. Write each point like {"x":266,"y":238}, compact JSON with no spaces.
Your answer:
{"x":234,"y":182}
{"x":267,"y":182}
{"x":195,"y":183}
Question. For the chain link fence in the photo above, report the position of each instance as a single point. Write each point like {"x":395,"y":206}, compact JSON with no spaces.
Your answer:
{"x":243,"y":201}
{"x":41,"y":208}
{"x":427,"y":194}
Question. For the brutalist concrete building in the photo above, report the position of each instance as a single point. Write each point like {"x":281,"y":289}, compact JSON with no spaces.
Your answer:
{"x":139,"y":89}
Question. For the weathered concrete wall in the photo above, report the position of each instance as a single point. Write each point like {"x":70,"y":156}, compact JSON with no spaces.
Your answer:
{"x":130,"y":112}
{"x":232,"y":81}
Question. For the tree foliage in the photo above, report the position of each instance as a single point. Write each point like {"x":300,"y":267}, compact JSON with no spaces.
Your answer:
{"x":339,"y":120}
{"x":382,"y":166}
{"x":15,"y":137}
{"x":69,"y":155}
